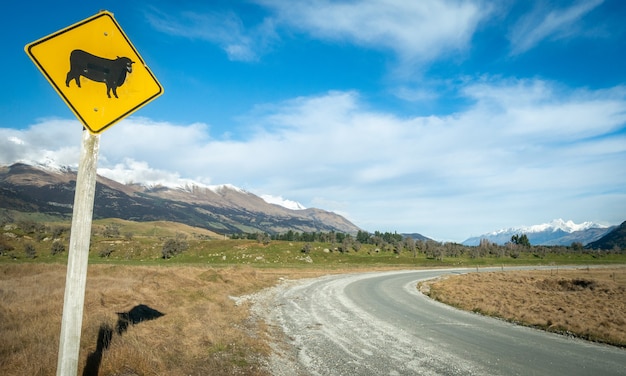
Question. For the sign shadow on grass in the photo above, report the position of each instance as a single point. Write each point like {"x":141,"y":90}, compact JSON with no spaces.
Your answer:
{"x":136,"y":315}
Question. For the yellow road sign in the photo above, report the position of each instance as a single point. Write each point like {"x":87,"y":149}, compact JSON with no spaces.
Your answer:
{"x":96,"y":70}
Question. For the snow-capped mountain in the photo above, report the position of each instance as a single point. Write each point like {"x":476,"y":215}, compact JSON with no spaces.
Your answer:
{"x":221,"y":208}
{"x":556,"y":225}
{"x":556,"y":232}
{"x":172,"y":182}
{"x":289,"y":204}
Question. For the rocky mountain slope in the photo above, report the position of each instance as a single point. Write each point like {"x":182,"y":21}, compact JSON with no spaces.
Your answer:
{"x":616,"y":238}
{"x":224,"y":209}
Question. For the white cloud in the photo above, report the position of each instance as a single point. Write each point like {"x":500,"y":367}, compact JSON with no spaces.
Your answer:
{"x":414,"y":30}
{"x":526,"y":151}
{"x":47,"y":140}
{"x":224,"y":28}
{"x":537,"y":109}
{"x":541,"y":24}
{"x":16,"y":140}
{"x":130,"y":171}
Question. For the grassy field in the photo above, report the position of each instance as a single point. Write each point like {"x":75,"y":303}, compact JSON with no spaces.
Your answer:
{"x":589,"y":302}
{"x":201,"y":330}
{"x":135,"y":243}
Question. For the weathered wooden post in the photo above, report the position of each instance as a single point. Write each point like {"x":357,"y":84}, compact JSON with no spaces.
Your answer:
{"x":76,"y":279}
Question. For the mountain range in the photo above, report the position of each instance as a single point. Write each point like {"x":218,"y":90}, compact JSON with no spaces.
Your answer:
{"x":556,"y":232}
{"x":224,"y":209}
{"x":614,"y":239}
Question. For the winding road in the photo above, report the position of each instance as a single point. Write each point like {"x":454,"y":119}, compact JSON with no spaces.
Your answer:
{"x":379,"y":324}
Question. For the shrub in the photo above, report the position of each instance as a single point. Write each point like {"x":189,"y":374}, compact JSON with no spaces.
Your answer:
{"x":264,"y":239}
{"x":172,"y":247}
{"x":5,"y":247}
{"x":31,"y":227}
{"x":30,"y":250}
{"x":106,"y":252}
{"x":111,"y":231}
{"x":58,"y":231}
{"x":57,"y":247}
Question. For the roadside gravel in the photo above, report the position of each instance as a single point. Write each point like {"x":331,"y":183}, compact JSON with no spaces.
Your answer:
{"x":265,"y":305}
{"x":318,"y":330}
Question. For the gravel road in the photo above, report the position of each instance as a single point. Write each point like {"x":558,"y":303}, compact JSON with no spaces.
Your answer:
{"x":379,"y":324}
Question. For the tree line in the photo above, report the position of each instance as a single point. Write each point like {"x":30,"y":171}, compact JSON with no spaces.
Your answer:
{"x":397,"y":243}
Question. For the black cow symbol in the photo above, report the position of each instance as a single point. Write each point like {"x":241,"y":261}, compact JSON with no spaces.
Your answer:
{"x":98,"y":69}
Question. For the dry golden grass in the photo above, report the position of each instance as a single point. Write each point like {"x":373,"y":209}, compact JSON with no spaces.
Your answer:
{"x":202,"y":332}
{"x":590,"y":303}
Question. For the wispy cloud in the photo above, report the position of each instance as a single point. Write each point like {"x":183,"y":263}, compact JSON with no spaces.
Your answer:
{"x":523,"y":144}
{"x":130,"y":171}
{"x":415,"y":30}
{"x":224,"y":28}
{"x":551,"y":24}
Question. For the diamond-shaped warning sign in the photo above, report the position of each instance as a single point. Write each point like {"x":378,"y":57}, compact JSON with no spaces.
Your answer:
{"x":96,"y":70}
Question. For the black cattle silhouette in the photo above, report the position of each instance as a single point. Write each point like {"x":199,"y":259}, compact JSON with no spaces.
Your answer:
{"x":111,"y":72}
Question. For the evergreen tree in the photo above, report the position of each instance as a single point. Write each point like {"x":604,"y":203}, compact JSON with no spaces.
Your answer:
{"x":520,"y":240}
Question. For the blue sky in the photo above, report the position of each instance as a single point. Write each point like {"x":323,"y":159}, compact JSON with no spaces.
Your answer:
{"x":447,"y":118}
